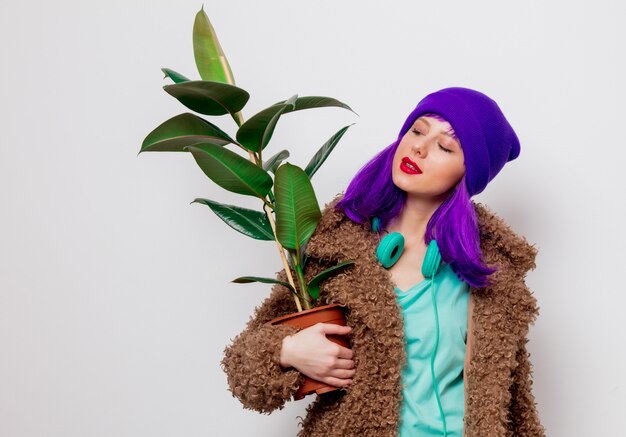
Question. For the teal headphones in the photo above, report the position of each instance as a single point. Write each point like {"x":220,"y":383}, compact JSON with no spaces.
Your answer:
{"x":388,"y":252}
{"x":391,"y":246}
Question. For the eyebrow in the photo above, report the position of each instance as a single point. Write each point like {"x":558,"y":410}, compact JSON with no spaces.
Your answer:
{"x":453,"y":136}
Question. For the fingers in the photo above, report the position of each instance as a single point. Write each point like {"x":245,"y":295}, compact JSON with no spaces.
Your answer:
{"x":341,"y":369}
{"x":331,"y":328}
{"x":344,"y":353}
{"x":344,"y":364}
{"x":337,"y":382}
{"x":337,"y":376}
{"x":332,"y":364}
{"x":342,"y":373}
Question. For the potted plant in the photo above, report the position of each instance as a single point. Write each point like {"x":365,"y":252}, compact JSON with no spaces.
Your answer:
{"x":290,"y":211}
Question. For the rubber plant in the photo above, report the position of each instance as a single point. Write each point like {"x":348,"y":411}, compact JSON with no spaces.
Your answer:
{"x":290,"y":211}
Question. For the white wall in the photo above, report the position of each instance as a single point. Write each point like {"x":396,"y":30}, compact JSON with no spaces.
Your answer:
{"x":115,"y":301}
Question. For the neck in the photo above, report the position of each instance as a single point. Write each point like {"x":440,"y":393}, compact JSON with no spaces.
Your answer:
{"x":412,"y":221}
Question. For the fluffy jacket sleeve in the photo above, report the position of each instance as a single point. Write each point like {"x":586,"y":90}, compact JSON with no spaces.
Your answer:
{"x":252,"y":361}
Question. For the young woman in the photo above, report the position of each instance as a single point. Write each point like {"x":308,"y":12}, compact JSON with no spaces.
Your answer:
{"x":438,"y":308}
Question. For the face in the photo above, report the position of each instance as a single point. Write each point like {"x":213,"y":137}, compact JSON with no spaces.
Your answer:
{"x":438,"y":157}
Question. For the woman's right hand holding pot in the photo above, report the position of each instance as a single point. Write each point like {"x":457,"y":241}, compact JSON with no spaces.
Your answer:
{"x":314,"y":355}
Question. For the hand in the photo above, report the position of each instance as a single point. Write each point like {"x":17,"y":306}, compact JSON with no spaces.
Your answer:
{"x":317,"y":357}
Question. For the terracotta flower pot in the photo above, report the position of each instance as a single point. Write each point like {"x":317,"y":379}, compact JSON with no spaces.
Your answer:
{"x":334,"y":313}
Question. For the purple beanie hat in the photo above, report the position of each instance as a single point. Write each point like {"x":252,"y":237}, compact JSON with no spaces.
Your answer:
{"x":487,"y":138}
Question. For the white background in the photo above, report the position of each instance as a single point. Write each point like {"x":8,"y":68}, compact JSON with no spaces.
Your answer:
{"x":115,"y":300}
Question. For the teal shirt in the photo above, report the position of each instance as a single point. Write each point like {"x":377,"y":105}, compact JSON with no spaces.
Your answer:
{"x":420,"y":415}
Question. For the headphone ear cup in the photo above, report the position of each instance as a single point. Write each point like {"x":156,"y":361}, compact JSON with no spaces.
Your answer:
{"x":390,"y":249}
{"x":432,"y":259}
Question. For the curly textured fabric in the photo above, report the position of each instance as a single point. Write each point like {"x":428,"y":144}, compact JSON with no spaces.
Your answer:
{"x":498,"y":396}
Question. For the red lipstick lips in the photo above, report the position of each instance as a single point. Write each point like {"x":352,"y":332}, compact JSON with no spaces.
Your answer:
{"x":409,"y":166}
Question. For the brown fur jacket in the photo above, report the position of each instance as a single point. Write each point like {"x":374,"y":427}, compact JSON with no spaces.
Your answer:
{"x":498,"y":379}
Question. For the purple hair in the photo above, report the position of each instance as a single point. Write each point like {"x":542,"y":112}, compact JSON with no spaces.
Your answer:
{"x":454,"y":224}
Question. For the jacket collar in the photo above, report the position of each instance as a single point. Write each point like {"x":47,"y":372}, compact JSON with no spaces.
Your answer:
{"x":336,"y":236}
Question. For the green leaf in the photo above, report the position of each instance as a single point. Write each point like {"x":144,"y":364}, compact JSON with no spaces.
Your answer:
{"x":183,"y":130}
{"x":257,"y":131}
{"x":248,"y":279}
{"x":297,"y":210}
{"x":249,"y":222}
{"x":314,"y":284}
{"x":175,"y":76}
{"x":209,"y":98}
{"x":210,"y":59}
{"x":321,"y":155}
{"x":230,"y":171}
{"x":308,"y":102}
{"x":272,"y":163}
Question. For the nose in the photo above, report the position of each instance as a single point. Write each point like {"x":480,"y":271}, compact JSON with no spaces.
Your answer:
{"x":423,"y":144}
{"x":419,"y":149}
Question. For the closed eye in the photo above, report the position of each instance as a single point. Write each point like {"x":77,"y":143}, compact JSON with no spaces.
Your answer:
{"x":416,"y":132}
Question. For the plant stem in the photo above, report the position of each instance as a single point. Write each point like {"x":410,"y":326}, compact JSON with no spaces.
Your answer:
{"x":305,"y":292}
{"x":281,"y":251}
{"x":238,"y":117}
